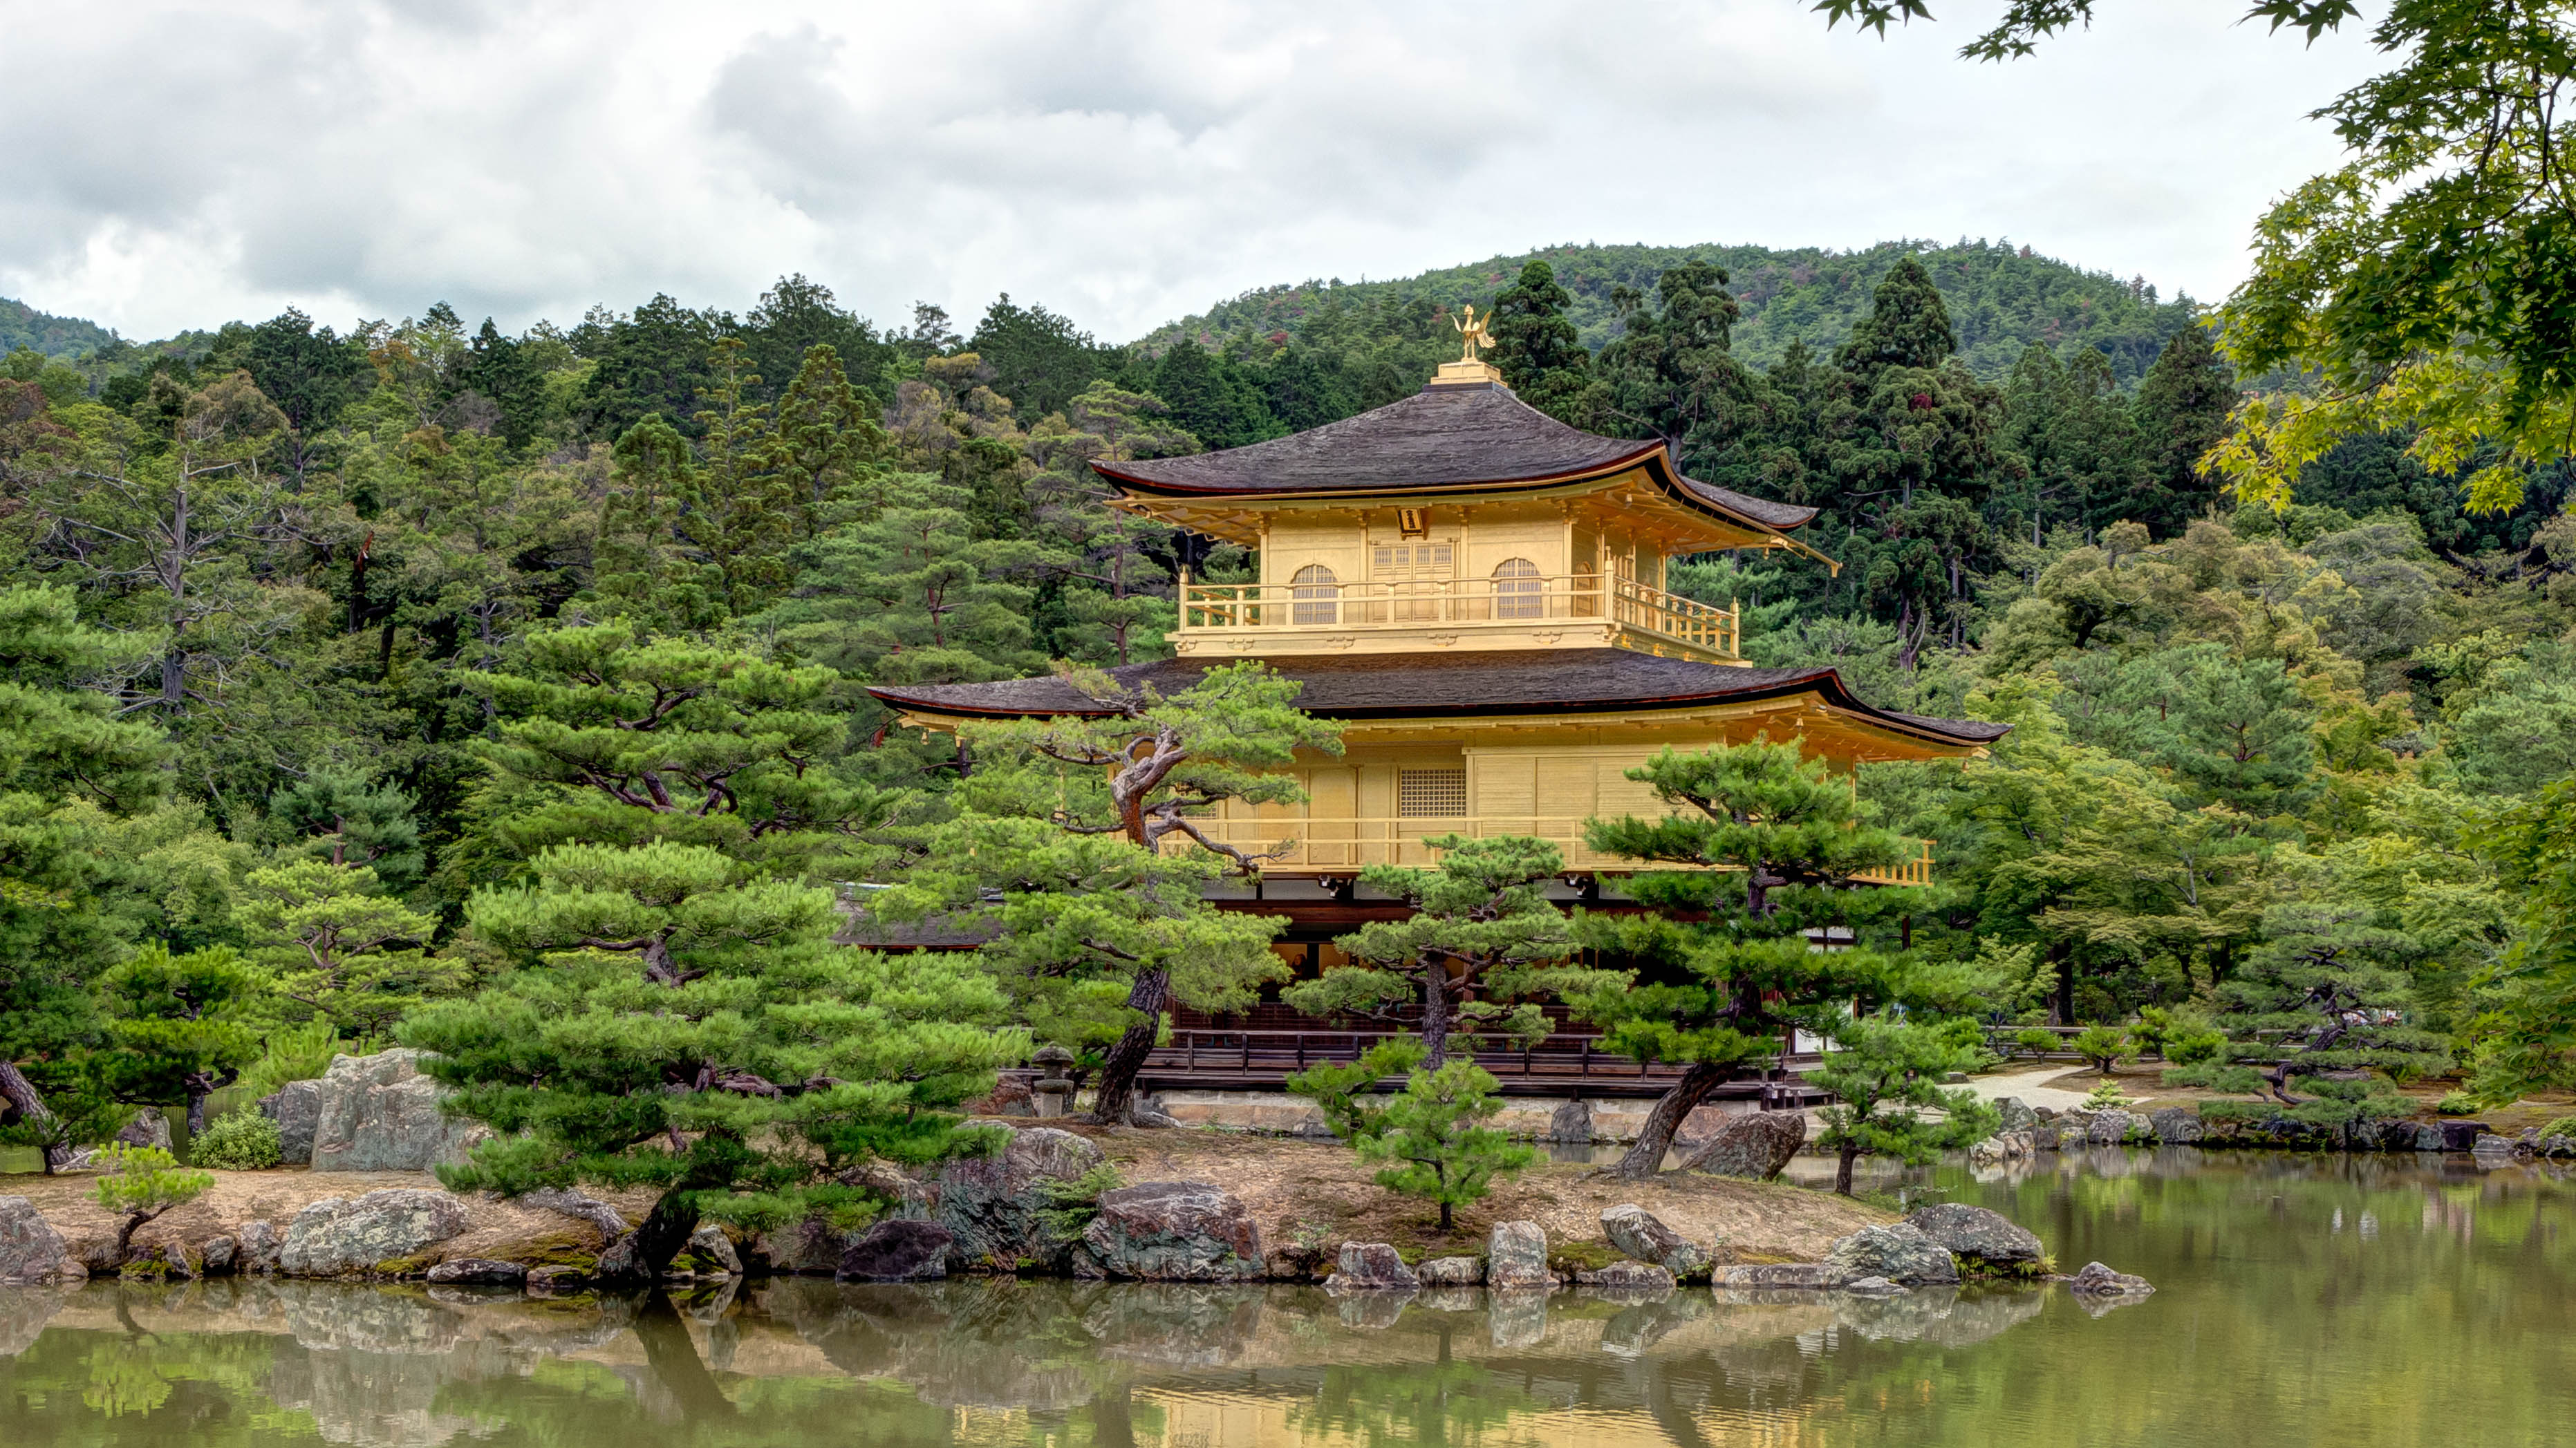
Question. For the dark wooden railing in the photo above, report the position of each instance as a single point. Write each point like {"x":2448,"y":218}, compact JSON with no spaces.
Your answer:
{"x":1561,"y":1065}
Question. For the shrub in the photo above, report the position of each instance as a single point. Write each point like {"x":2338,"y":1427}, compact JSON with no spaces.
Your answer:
{"x":295,"y":1053}
{"x":2105,"y":1047}
{"x":2037,"y":1042}
{"x":2196,"y":1047}
{"x":2457,"y":1103}
{"x":1435,"y":1134}
{"x":244,"y":1140}
{"x":2106,"y":1097}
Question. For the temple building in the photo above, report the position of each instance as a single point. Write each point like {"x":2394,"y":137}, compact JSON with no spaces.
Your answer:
{"x":1476,"y":591}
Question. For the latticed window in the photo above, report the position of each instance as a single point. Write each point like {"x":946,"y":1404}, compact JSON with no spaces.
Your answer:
{"x":1412,"y":562}
{"x":1313,"y":595}
{"x":1430,"y":793}
{"x":1518,"y":590}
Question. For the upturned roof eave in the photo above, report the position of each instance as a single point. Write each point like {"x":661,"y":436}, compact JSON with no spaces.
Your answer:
{"x":1652,"y":456}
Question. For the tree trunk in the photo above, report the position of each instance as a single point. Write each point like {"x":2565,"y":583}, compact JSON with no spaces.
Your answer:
{"x":1656,"y":1138}
{"x":1843,"y":1170}
{"x":1149,"y":996}
{"x":196,"y":1112}
{"x":23,"y":1098}
{"x":1435,"y":1015}
{"x":2064,"y":955}
{"x":663,"y":1233}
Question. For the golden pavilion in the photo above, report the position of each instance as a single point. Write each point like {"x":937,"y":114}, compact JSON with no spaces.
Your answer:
{"x":1476,"y":590}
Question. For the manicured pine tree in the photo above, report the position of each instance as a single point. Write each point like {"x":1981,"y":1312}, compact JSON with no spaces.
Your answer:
{"x":1483,"y":933}
{"x":2318,"y":1020}
{"x":1884,"y":1074}
{"x":179,"y":1025}
{"x":1083,"y":825}
{"x":1435,"y":1134}
{"x":607,"y":733}
{"x":1777,"y":842}
{"x":332,"y":946}
{"x":670,"y":1021}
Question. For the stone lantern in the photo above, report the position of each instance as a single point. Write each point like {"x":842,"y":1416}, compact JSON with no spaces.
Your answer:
{"x":1052,"y":1093}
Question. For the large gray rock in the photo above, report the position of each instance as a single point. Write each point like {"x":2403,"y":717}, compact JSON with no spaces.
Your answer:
{"x":1516,"y":1257}
{"x":1451,"y":1272}
{"x":1977,"y":1234}
{"x":296,"y":1107}
{"x":898,"y":1250}
{"x":610,"y":1222}
{"x":1571,"y":1124}
{"x":1898,"y":1252}
{"x":2003,"y":1146}
{"x":990,"y":1205}
{"x":2110,"y":1128}
{"x":338,"y":1236}
{"x":2176,"y":1125}
{"x":713,"y":1249}
{"x":1639,"y":1233}
{"x":379,"y":1113}
{"x":1756,"y":1144}
{"x":1171,"y":1232}
{"x":31,"y":1251}
{"x":2015,"y":1113}
{"x":1627,"y":1277}
{"x":1371,"y":1267}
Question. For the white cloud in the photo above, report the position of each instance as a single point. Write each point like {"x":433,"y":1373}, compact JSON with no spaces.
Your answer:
{"x":1119,"y":160}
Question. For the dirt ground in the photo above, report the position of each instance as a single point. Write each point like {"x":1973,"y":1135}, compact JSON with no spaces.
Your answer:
{"x":1323,"y":1190}
{"x":276,"y":1196}
{"x":1316,"y":1191}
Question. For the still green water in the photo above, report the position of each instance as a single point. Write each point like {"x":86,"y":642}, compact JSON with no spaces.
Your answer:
{"x":2322,"y":1301}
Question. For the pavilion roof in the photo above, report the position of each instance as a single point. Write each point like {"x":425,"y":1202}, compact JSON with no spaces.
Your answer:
{"x":1483,"y":683}
{"x":1442,"y":439}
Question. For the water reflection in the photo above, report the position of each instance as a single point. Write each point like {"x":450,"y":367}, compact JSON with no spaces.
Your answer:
{"x":2304,"y":1300}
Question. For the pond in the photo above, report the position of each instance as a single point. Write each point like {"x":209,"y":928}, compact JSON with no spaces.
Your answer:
{"x":2304,"y":1300}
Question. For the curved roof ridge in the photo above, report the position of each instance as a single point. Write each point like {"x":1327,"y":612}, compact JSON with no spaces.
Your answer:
{"x":1438,"y":438}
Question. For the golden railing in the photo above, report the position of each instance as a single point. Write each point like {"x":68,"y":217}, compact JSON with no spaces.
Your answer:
{"x":1328,"y":843}
{"x":1208,"y":607}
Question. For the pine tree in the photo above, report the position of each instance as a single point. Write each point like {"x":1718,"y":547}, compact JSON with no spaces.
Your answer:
{"x":1482,"y":933}
{"x":608,"y":734}
{"x":1777,"y":842}
{"x":1435,"y":1133}
{"x":1884,"y":1074}
{"x":827,"y":439}
{"x":1081,"y":824}
{"x":1670,"y":373}
{"x":180,"y":1025}
{"x":1209,"y":396}
{"x":332,"y":946}
{"x":2318,"y":1010}
{"x":669,"y":1023}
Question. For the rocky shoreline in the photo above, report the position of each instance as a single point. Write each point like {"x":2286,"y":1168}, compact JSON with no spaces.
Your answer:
{"x":1003,"y":1215}
{"x":2027,"y":1131}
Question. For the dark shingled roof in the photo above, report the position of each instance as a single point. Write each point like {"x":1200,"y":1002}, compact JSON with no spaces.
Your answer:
{"x":1502,"y":681}
{"x":1439,"y":438}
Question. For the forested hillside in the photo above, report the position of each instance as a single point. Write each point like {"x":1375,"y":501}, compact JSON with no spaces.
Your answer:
{"x":324,"y":646}
{"x":2000,"y":297}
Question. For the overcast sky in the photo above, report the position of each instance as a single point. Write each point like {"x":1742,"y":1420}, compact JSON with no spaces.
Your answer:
{"x":166,"y":166}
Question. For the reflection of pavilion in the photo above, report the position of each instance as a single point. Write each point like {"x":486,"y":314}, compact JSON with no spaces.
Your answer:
{"x":1480,"y":594}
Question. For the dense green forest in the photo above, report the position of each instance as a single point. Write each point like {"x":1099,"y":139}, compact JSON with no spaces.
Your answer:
{"x":348,"y":674}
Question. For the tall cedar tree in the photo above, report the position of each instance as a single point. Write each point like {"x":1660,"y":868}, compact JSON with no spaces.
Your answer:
{"x":1542,"y":358}
{"x":670,"y":1022}
{"x":1482,"y":933}
{"x":1139,"y":766}
{"x":1776,"y":841}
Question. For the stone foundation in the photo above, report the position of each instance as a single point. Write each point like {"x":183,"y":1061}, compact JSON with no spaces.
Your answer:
{"x":1525,"y":1117}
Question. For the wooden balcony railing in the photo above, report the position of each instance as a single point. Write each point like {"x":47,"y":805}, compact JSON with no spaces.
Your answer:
{"x":1468,"y":602}
{"x":1560,"y":1065}
{"x":1328,"y":844}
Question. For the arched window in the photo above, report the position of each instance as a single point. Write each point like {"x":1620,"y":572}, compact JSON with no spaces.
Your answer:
{"x":1312,"y":594}
{"x":1518,"y":590}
